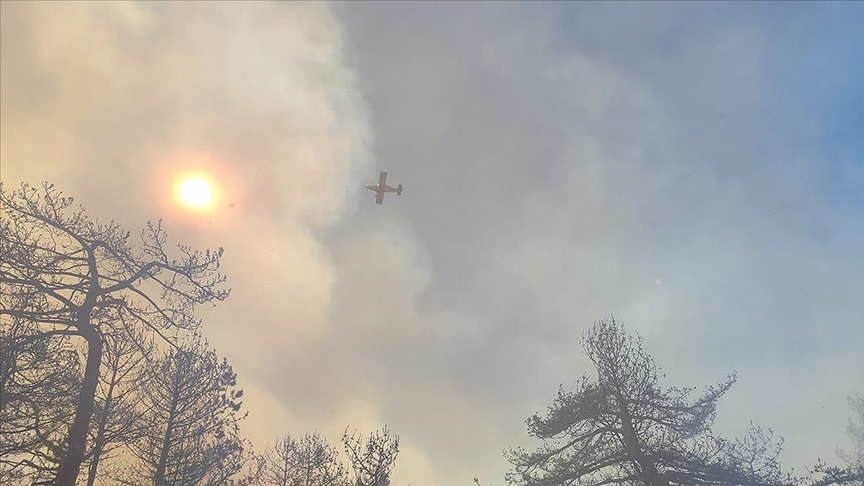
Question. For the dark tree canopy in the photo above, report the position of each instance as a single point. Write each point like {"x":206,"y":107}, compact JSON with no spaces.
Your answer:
{"x":192,"y":406}
{"x":305,"y":461}
{"x":372,"y":459}
{"x":623,"y":428}
{"x":70,"y":275}
{"x":39,"y":379}
{"x":118,"y":419}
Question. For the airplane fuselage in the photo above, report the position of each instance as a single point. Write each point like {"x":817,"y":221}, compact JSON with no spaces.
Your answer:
{"x":383,"y":188}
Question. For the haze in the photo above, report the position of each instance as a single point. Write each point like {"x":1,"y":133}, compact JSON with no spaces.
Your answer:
{"x":696,"y":169}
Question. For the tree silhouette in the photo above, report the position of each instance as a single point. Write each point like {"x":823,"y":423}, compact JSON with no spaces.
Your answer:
{"x":74,"y":273}
{"x":117,"y":420}
{"x":307,"y":461}
{"x":192,"y":432}
{"x":372,"y":459}
{"x":855,"y":457}
{"x":39,"y":377}
{"x":622,"y":428}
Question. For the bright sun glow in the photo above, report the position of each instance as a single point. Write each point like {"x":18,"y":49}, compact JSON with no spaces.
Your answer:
{"x":195,"y":192}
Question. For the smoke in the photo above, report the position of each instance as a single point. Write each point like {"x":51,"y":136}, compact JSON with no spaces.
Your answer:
{"x":556,"y":168}
{"x":113,"y":100}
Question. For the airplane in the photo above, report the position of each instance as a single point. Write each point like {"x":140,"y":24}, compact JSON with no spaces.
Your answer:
{"x":382,"y":188}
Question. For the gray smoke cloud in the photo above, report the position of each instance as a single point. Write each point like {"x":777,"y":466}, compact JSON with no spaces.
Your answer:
{"x":560,"y":163}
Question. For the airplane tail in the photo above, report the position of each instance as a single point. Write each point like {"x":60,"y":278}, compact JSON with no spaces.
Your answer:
{"x":399,"y":190}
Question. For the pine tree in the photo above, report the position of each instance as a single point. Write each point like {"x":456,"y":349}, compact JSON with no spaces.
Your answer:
{"x":372,"y":459}
{"x":192,"y":413}
{"x":307,"y":461}
{"x":622,"y":428}
{"x":74,"y":272}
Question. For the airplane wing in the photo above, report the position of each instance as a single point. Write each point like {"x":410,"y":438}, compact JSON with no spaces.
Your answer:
{"x":379,"y":198}
{"x":382,"y":178}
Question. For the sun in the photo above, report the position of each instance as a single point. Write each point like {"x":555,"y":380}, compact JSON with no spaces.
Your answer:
{"x":195,"y":192}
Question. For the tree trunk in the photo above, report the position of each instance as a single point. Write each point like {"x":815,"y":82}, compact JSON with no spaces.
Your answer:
{"x":71,"y":462}
{"x":100,"y":433}
{"x":649,"y":471}
{"x":159,"y":477}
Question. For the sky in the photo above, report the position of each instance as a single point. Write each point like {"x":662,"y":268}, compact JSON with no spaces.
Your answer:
{"x":695,"y":169}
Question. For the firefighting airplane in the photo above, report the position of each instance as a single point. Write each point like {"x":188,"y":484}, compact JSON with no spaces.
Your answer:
{"x":382,"y":188}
